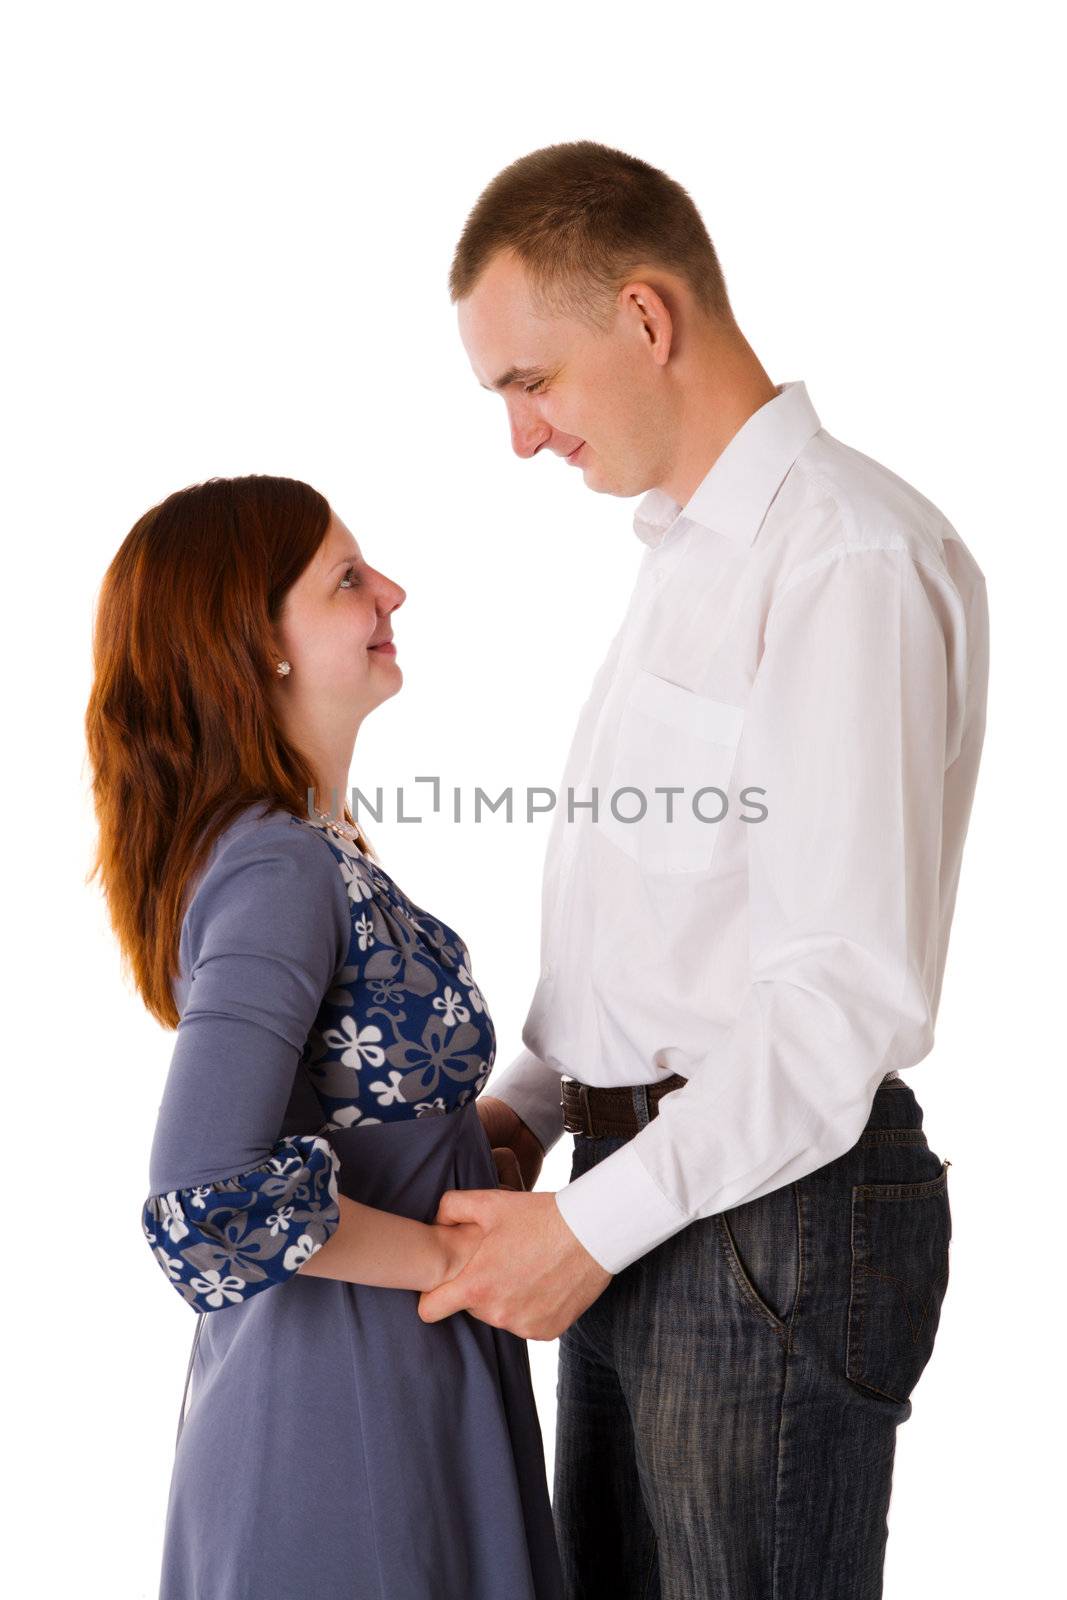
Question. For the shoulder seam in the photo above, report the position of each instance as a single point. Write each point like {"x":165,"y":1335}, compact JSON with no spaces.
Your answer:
{"x":337,"y":855}
{"x":895,"y":545}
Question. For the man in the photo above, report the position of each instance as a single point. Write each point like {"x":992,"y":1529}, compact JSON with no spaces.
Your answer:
{"x":747,"y":1267}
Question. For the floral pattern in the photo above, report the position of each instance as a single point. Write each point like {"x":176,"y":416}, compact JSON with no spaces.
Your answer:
{"x":220,"y":1242}
{"x":403,"y":1032}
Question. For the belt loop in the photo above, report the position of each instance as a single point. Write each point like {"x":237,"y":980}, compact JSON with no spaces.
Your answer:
{"x":639,"y":1093}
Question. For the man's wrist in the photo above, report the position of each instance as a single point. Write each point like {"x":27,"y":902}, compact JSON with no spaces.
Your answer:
{"x":617,"y":1211}
{"x":519,"y":1127}
{"x":531,"y":1088}
{"x":527,"y":1135}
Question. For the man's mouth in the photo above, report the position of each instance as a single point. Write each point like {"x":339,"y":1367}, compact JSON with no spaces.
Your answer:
{"x":576,"y":452}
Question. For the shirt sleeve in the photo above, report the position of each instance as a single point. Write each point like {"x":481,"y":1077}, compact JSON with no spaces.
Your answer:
{"x":234,"y":1208}
{"x":532,"y":1089}
{"x":851,"y":725}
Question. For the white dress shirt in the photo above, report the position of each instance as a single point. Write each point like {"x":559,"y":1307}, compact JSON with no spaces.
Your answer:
{"x":809,"y":626}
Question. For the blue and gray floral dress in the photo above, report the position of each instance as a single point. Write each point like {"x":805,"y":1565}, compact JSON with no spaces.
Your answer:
{"x":332,"y":1040}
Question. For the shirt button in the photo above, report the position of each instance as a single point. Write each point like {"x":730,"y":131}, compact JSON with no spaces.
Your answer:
{"x":547,"y":969}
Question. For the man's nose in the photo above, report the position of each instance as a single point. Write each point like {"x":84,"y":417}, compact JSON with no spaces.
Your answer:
{"x":528,"y":434}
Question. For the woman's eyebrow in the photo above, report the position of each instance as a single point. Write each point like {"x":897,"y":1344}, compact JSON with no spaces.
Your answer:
{"x":344,"y":561}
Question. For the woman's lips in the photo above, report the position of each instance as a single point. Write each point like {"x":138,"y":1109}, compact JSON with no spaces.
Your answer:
{"x":386,"y":648}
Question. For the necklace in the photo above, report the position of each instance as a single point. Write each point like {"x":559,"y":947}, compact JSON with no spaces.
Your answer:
{"x":344,"y":830}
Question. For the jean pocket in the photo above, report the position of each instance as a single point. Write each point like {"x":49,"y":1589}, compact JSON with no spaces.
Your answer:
{"x":899,"y":1275}
{"x":761,"y":1243}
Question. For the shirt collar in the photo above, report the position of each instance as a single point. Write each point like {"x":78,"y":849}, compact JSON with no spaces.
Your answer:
{"x":743,"y":480}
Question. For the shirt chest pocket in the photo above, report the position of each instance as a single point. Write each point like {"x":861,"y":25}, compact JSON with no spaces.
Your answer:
{"x":670,"y":738}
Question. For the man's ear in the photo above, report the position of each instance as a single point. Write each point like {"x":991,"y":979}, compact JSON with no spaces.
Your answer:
{"x":650,"y":317}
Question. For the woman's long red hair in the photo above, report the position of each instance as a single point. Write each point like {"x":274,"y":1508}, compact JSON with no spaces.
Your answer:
{"x":180,"y":725}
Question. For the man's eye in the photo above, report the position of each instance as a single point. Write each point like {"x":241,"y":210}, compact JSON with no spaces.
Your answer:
{"x":348,"y":580}
{"x":535,"y":387}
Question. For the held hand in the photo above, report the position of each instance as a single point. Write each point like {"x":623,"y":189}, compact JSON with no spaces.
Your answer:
{"x":516,"y":1150}
{"x":529,"y":1274}
{"x":457,"y":1242}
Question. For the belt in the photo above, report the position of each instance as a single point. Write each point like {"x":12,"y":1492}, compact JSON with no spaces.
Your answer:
{"x":621,"y":1111}
{"x":615,"y":1112}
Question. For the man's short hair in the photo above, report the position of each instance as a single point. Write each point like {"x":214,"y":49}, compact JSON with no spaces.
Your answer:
{"x":580,"y":217}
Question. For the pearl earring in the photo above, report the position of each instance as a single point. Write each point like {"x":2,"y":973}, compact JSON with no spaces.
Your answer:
{"x":284,"y":668}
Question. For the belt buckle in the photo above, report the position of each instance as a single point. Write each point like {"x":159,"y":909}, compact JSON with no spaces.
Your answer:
{"x":582,"y":1113}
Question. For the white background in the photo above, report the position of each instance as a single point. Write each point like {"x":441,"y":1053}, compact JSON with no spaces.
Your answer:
{"x":229,"y":232}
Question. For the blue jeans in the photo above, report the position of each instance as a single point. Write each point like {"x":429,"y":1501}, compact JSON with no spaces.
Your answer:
{"x":728,"y":1407}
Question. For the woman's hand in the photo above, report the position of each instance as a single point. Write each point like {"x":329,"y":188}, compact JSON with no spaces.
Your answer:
{"x":508,"y":1171}
{"x":456,"y":1243}
{"x":516,"y":1150}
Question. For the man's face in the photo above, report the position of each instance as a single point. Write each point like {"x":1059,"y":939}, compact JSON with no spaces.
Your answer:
{"x":598,"y":399}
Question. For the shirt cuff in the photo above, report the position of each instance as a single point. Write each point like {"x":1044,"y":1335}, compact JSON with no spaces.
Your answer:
{"x":532,"y":1089}
{"x":617,"y":1211}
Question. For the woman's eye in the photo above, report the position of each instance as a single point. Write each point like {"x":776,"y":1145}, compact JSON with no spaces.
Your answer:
{"x":348,"y":580}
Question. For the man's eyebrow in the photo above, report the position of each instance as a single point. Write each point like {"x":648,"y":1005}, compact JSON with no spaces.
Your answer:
{"x":512,"y":375}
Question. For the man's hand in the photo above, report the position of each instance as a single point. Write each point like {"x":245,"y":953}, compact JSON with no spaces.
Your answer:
{"x":457,"y":1244}
{"x":530,"y":1274}
{"x":516,"y":1150}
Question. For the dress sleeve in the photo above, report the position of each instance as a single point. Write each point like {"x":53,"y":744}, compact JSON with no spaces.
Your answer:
{"x":234,"y":1208}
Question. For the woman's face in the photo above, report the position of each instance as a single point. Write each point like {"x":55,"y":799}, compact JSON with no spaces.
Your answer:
{"x":334,"y":630}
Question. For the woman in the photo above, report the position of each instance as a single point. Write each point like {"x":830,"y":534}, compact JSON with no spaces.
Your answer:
{"x":331,"y":1043}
